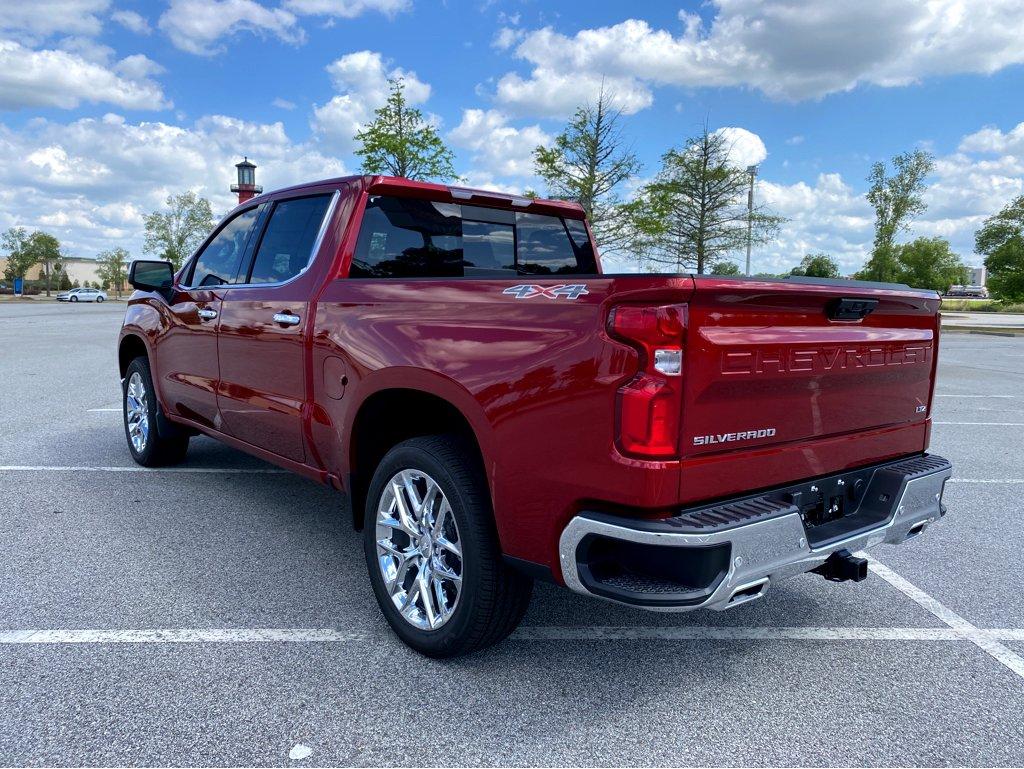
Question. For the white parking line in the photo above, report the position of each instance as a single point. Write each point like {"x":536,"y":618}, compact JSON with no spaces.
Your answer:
{"x":953,"y":395}
{"x":272,"y":471}
{"x":987,"y":424}
{"x":525,"y":633}
{"x":137,"y":469}
{"x":982,"y":639}
{"x":94,"y":411}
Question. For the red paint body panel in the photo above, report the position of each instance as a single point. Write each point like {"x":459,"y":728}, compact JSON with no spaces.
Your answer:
{"x":537,"y":379}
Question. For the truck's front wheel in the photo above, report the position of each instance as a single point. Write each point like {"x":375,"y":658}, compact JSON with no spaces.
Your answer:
{"x":433,"y":554}
{"x":142,"y":418}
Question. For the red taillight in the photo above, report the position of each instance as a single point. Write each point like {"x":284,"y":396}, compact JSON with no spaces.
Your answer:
{"x":648,"y":406}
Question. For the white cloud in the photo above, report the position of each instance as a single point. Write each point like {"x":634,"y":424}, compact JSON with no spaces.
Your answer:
{"x":966,"y":187}
{"x":499,"y":151}
{"x":195,"y":26}
{"x":552,"y":93}
{"x":90,"y":181}
{"x":132,"y":21}
{"x":828,"y":215}
{"x":745,"y":147}
{"x":40,"y":18}
{"x":283,"y":103}
{"x":362,"y":77}
{"x":506,"y":37}
{"x":346,"y":9}
{"x":788,"y":49}
{"x":62,"y":78}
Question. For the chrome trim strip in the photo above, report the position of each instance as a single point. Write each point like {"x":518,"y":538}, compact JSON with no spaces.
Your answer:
{"x":770,"y":550}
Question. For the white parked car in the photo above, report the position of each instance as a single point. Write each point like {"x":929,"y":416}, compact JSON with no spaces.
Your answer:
{"x":82,"y":295}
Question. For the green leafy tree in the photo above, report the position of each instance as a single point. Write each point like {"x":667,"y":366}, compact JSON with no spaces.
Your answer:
{"x":929,"y":263}
{"x":25,"y":251}
{"x":45,"y":250}
{"x":1001,"y":241}
{"x":19,"y":259}
{"x":817,"y":265}
{"x":112,"y":268}
{"x":897,"y":199}
{"x":694,"y":213}
{"x":173,"y":234}
{"x":588,"y":162}
{"x":724,"y":267}
{"x":399,"y":142}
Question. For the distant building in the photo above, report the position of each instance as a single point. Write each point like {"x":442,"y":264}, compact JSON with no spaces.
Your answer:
{"x":978,"y":275}
{"x":77,"y":267}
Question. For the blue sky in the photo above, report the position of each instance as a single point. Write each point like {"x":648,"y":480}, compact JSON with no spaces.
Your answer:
{"x":107,"y":106}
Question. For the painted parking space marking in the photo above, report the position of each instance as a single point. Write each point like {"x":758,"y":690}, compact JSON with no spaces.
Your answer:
{"x":982,"y":639}
{"x":524,"y":633}
{"x":273,"y":471}
{"x":986,"y":424}
{"x":956,"y":395}
{"x":138,"y":469}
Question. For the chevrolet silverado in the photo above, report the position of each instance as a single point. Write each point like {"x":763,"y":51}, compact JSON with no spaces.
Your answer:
{"x":497,"y":410}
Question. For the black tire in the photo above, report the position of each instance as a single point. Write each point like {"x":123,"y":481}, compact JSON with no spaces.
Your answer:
{"x":493,"y":597}
{"x":74,"y":299}
{"x":166,"y":446}
{"x":99,"y":300}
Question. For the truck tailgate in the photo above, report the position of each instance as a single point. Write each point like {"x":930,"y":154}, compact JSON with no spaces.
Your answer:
{"x":766,"y":366}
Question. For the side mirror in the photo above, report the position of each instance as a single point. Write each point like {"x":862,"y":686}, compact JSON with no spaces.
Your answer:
{"x":151,"y":276}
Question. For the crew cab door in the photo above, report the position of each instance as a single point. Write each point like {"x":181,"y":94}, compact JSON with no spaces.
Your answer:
{"x":187,"y":352}
{"x":262,"y":389}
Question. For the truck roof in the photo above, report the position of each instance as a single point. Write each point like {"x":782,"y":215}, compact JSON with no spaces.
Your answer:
{"x":396,"y":185}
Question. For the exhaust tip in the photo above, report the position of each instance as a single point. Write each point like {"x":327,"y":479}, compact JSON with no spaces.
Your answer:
{"x":749,"y":592}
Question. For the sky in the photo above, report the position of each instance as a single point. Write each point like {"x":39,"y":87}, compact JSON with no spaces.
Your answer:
{"x":108,"y":106}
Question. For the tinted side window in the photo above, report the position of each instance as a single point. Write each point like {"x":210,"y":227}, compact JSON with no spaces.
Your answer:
{"x":219,"y":261}
{"x":287,"y":243}
{"x":544,"y":247}
{"x":582,"y":246}
{"x":407,"y":238}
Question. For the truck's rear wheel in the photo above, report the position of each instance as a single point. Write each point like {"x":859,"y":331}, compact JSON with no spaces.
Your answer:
{"x":142,"y":419}
{"x":432,"y":551}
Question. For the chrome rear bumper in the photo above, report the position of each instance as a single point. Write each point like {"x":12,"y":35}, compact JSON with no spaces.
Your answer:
{"x":723,"y":555}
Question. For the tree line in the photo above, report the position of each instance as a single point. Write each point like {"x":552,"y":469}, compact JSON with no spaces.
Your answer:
{"x":693,"y":214}
{"x":172,"y":234}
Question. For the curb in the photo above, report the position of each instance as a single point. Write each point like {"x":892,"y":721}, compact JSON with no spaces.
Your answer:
{"x":986,"y":330}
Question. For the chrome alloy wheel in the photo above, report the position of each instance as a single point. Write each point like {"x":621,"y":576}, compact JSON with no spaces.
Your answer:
{"x":418,"y":549}
{"x":137,"y":412}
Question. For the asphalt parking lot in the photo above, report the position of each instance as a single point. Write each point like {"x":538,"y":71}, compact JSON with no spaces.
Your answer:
{"x":219,"y":613}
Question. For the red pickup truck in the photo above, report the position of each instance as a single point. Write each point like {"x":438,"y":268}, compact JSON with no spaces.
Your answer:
{"x":498,"y":410}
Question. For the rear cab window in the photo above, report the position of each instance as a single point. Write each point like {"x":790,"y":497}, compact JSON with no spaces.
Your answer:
{"x":414,"y":238}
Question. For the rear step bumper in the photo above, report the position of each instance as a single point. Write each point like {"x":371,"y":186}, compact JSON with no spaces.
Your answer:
{"x":722,"y":555}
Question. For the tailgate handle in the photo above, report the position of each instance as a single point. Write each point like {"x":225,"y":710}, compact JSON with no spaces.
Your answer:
{"x":850,"y":309}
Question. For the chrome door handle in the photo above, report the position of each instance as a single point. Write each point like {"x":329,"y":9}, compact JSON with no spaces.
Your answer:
{"x":207,"y":314}
{"x":287,"y":319}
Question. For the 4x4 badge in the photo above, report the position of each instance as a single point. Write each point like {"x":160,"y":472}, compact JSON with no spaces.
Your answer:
{"x":529,"y":291}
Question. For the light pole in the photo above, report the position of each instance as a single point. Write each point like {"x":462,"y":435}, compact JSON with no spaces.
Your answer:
{"x":752,"y":170}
